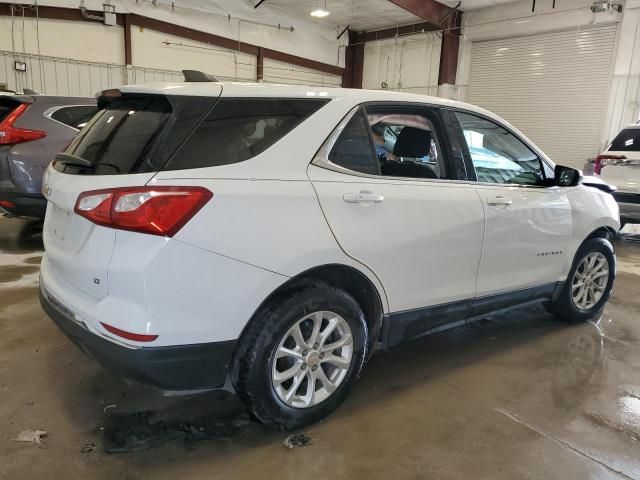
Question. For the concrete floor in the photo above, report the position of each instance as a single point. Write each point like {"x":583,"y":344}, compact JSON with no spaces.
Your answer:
{"x":518,"y":395}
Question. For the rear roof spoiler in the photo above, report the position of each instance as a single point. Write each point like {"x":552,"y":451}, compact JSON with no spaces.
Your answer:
{"x":197,"y":76}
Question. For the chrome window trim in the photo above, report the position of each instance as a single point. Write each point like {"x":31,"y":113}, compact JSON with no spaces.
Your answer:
{"x":50,"y":111}
{"x":321,"y":159}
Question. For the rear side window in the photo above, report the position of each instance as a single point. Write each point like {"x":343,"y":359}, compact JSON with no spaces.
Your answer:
{"x":353,"y":149}
{"x":628,"y":140}
{"x":238,"y":129}
{"x":76,"y":116}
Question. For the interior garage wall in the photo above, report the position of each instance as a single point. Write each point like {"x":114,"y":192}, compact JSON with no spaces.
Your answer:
{"x":63,"y":55}
{"x":409,"y":63}
{"x":92,"y":42}
{"x":552,"y":86}
{"x":151,"y":49}
{"x":281,"y":72}
{"x":68,"y":77}
{"x":516,"y":25}
{"x":624,"y":101}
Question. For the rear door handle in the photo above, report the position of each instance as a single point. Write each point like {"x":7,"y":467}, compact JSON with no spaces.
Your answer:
{"x":499,"y":200}
{"x":363,"y":197}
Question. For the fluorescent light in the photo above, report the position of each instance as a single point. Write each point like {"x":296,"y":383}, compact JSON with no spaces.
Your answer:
{"x":320,"y":13}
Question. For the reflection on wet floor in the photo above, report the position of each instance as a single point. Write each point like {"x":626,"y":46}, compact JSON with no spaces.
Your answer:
{"x":516,"y":395}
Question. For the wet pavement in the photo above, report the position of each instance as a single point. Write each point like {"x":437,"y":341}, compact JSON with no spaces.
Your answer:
{"x":518,"y":395}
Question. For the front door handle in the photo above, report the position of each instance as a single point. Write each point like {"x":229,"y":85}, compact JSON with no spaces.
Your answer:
{"x":499,"y":200}
{"x":363,"y":197}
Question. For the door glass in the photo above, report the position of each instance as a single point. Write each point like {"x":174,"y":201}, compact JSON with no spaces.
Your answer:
{"x":497,"y":155}
{"x":353,"y":148}
{"x":406,"y":143}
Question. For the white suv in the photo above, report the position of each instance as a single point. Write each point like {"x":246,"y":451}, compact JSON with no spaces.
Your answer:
{"x":619,"y":165}
{"x":270,"y":238}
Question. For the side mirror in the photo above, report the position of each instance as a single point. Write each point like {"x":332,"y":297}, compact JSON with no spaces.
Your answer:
{"x":567,"y":176}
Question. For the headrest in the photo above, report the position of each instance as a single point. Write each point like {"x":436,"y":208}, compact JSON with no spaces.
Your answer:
{"x":413,"y":143}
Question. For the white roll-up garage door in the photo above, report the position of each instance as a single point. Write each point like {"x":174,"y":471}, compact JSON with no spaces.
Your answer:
{"x":554,"y":87}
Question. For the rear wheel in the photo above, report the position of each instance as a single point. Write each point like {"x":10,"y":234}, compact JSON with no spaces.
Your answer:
{"x":589,"y":283}
{"x":300,"y":356}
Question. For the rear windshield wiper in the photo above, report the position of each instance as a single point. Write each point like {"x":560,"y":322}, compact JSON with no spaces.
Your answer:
{"x":69,"y":159}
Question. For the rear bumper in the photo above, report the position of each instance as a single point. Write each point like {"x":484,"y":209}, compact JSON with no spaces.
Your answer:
{"x":23,"y":205}
{"x":183,"y":367}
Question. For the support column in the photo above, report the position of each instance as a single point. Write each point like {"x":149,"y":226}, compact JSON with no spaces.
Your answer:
{"x":353,"y":62}
{"x":260,"y":65}
{"x":127,"y":40}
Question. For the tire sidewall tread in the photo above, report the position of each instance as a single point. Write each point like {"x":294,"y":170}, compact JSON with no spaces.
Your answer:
{"x":252,"y":366}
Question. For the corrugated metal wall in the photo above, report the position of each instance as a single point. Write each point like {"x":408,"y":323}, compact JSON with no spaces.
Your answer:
{"x":63,"y":76}
{"x":553,"y":86}
{"x":279,"y":72}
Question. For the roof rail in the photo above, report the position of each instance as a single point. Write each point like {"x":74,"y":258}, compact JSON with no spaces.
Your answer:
{"x":197,"y":76}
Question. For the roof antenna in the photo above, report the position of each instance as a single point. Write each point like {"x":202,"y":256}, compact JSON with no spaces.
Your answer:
{"x":197,"y":76}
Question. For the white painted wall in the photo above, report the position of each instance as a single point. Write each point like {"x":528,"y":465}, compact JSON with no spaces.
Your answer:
{"x":150,"y":50}
{"x":409,"y":63}
{"x":86,"y":41}
{"x":267,"y":26}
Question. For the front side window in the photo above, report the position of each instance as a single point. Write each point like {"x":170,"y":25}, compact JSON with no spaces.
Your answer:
{"x":406,"y":143}
{"x":497,"y":155}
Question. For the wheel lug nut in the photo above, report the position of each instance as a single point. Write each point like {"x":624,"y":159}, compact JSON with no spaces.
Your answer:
{"x":304,"y":366}
{"x":322,"y":355}
{"x":315,"y":346}
{"x":314,"y":368}
{"x":304,"y":352}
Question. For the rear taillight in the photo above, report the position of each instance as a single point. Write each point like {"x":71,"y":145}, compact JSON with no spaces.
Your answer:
{"x":605,"y":159}
{"x":10,"y":135}
{"x":154,"y":210}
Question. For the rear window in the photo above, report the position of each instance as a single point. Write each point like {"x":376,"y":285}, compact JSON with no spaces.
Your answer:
{"x":628,"y":140}
{"x":121,"y":136}
{"x":6,"y":107}
{"x":239,"y":129}
{"x":76,"y":116}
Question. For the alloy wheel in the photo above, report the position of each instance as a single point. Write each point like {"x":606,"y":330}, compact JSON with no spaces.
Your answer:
{"x":312,"y":359}
{"x":590,"y":281}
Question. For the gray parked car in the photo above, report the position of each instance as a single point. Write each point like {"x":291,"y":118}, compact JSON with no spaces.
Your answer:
{"x":33,"y":128}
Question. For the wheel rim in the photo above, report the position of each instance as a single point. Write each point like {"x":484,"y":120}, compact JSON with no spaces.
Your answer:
{"x":312,"y":359}
{"x":590,"y":281}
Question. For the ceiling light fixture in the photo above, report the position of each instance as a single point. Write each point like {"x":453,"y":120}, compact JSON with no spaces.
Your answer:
{"x":320,"y":12}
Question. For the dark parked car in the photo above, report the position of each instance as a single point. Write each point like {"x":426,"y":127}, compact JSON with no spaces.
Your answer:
{"x":33,"y":128}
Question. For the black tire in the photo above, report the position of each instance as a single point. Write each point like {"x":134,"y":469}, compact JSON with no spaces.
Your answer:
{"x":563,"y":306}
{"x":253,"y":364}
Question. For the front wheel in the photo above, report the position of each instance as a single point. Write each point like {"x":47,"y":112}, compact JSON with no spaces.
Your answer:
{"x":589,"y":283}
{"x":300,"y":356}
